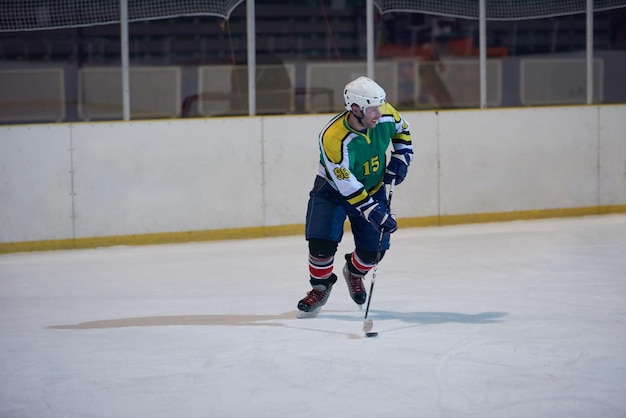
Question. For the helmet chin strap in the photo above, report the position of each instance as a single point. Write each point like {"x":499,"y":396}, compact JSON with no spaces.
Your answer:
{"x":360,"y":118}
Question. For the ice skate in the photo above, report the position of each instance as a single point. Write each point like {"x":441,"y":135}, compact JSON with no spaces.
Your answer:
{"x":310,"y":305}
{"x":354,"y":282}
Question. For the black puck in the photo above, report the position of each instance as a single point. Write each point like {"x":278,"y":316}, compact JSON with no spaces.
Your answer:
{"x":371,"y":334}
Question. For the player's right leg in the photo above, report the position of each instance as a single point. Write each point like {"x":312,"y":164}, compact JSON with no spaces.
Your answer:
{"x":324,"y":229}
{"x":322,"y":278}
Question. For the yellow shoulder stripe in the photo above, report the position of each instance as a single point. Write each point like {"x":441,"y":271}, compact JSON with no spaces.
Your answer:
{"x":332,"y":141}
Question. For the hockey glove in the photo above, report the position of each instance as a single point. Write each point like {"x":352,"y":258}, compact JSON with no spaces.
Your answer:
{"x":378,"y":216}
{"x":398,"y":165}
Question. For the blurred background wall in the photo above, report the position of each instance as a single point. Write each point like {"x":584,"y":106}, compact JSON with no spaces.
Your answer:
{"x":62,"y":63}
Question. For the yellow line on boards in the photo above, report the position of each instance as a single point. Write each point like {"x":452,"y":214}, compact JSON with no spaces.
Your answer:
{"x":297,"y":229}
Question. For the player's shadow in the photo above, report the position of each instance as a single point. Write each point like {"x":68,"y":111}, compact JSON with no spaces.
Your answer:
{"x":411,"y":318}
{"x":424,"y":318}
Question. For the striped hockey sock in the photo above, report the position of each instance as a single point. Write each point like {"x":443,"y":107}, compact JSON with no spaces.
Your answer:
{"x":320,"y":268}
{"x":357,"y":266}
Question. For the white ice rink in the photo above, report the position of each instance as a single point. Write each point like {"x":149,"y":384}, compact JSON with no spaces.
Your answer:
{"x":520,"y":319}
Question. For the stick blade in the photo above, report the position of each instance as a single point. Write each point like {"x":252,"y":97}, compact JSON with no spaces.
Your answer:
{"x":368,"y":324}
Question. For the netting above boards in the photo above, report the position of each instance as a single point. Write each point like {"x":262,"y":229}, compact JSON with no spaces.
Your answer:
{"x":18,"y":15}
{"x":497,"y":9}
{"x":54,"y":14}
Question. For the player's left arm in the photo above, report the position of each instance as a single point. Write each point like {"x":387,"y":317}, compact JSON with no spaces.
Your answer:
{"x":402,"y":154}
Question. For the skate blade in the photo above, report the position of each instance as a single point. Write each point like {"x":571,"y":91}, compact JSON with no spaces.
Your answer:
{"x":306,"y":315}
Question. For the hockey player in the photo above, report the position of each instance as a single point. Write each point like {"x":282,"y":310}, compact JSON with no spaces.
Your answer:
{"x":350,"y":183}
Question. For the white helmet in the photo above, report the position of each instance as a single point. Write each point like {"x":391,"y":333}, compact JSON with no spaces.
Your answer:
{"x":363,"y":92}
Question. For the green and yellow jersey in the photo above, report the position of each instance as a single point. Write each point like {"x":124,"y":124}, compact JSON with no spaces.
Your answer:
{"x":354,"y":162}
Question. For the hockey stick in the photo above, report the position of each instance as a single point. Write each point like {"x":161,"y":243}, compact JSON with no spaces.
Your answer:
{"x":368,"y":324}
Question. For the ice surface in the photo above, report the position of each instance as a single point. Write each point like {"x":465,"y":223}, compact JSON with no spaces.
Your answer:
{"x":520,"y":319}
